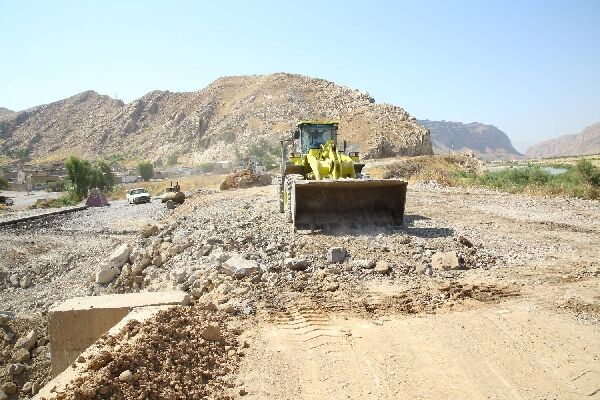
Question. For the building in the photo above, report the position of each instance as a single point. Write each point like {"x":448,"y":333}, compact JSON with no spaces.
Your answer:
{"x":223,"y":167}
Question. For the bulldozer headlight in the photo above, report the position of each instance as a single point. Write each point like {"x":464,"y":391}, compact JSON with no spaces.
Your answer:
{"x":353,"y":153}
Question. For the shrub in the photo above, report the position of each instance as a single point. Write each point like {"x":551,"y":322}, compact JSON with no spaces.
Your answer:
{"x":3,"y":183}
{"x":58,"y":186}
{"x":65,"y":200}
{"x":146,"y":170}
{"x":590,"y":174}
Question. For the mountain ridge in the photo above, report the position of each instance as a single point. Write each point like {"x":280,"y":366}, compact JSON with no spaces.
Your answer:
{"x":213,"y":123}
{"x":486,"y":141}
{"x":583,"y":143}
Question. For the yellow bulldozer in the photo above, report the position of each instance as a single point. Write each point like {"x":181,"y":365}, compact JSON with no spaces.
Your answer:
{"x":321,"y":185}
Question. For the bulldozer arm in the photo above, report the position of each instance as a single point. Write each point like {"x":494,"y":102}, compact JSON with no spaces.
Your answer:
{"x":348,"y":202}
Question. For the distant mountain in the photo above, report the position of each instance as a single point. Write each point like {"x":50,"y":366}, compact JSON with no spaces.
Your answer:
{"x":487,"y":141}
{"x":222,"y":120}
{"x":585,"y":142}
{"x":5,"y":111}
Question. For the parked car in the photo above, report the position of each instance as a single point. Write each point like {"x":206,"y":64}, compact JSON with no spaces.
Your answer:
{"x":7,"y":201}
{"x":138,"y":196}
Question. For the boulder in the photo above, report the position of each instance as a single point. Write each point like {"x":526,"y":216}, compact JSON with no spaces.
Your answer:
{"x":21,"y":355}
{"x":295,"y":264}
{"x":105,"y":275}
{"x":119,"y":256}
{"x":465,"y":242}
{"x":382,"y":267}
{"x":126,"y":376}
{"x":27,"y":387}
{"x":27,"y":342}
{"x":336,"y":254}
{"x":212,"y":333}
{"x":148,"y":230}
{"x":25,"y":281}
{"x":6,"y":316}
{"x":14,"y":280}
{"x":15,"y":369}
{"x":9,"y":388}
{"x":239,"y":268}
{"x":446,"y":260}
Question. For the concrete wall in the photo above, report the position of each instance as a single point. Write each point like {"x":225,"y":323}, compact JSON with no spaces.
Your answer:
{"x":78,"y":322}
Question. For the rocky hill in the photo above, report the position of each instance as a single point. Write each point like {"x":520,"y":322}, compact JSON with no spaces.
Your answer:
{"x":229,"y":115}
{"x":487,"y":141}
{"x":5,"y":112}
{"x":585,"y":142}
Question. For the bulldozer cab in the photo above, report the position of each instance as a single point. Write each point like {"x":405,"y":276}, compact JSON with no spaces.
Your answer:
{"x":314,"y":135}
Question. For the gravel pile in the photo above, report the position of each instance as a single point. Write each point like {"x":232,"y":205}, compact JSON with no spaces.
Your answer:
{"x":182,"y":353}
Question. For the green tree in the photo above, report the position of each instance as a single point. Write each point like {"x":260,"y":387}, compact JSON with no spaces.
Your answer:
{"x":265,"y":152}
{"x":3,"y":183}
{"x":102,"y":177}
{"x":80,"y":174}
{"x":146,"y":170}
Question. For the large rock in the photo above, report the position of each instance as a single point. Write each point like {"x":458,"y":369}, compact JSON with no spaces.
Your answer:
{"x":27,"y":342}
{"x":119,"y":256}
{"x":212,"y":333}
{"x":446,"y":260}
{"x":6,"y":316}
{"x":15,"y":369}
{"x":106,"y":275}
{"x":382,"y":267}
{"x":148,"y":230}
{"x":239,"y":267}
{"x":21,"y":355}
{"x":336,"y":254}
{"x":9,"y":388}
{"x":25,"y":281}
{"x":295,"y":264}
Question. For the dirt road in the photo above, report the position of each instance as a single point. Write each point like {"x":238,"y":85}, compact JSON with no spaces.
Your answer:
{"x":541,"y":343}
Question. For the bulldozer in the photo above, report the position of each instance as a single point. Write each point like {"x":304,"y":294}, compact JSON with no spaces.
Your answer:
{"x":322,"y":186}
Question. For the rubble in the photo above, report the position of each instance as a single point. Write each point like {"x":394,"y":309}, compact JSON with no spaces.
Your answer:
{"x":27,"y":342}
{"x":119,"y":256}
{"x":245,"y":263}
{"x":148,"y":230}
{"x":446,"y":261}
{"x":336,"y":254}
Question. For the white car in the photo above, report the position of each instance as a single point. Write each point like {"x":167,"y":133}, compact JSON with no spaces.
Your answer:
{"x":138,"y":196}
{"x":7,"y":201}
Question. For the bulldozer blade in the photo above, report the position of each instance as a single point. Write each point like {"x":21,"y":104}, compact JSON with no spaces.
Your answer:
{"x":348,"y":202}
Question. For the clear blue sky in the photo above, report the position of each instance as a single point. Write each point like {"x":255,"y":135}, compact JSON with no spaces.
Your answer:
{"x":530,"y":67}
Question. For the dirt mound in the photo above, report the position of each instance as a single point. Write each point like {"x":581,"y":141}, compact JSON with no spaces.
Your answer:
{"x":182,"y":353}
{"x":244,"y":179}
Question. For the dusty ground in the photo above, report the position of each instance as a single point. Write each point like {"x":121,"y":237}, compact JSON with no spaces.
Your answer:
{"x":519,"y":320}
{"x":541,"y":342}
